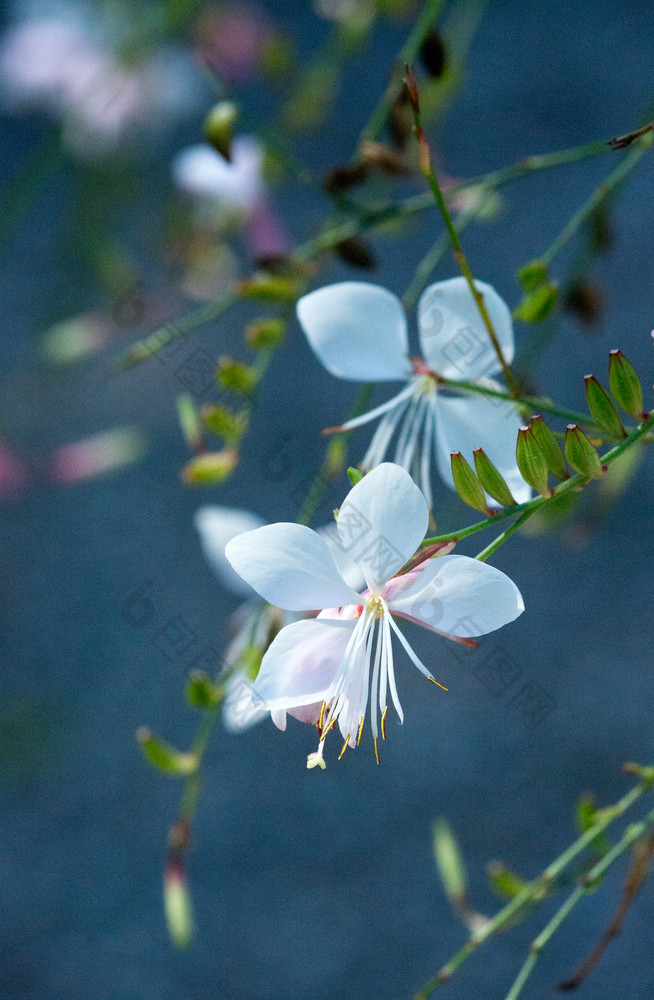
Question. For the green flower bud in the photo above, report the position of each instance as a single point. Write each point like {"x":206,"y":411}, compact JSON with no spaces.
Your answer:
{"x":218,"y":127}
{"x":266,"y":287}
{"x":625,"y":385}
{"x":505,"y":883}
{"x":603,"y":409}
{"x":450,"y":865}
{"x":236,"y":376}
{"x":222,"y":422}
{"x":202,"y":692}
{"x":492,"y":480}
{"x":210,"y":468}
{"x":164,"y":757}
{"x":177,"y":903}
{"x":550,"y":448}
{"x":189,"y":421}
{"x":467,"y":484}
{"x":531,"y":461}
{"x":580,"y":453}
{"x":533,"y":275}
{"x":268,"y":332}
{"x":537,"y":304}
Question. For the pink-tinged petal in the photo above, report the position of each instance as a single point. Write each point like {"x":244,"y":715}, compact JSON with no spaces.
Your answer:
{"x":357,"y":331}
{"x":467,"y":422}
{"x":461,"y":596}
{"x":382,"y":522}
{"x":453,"y":337}
{"x":217,"y":526}
{"x":299,"y":665}
{"x":290,"y":566}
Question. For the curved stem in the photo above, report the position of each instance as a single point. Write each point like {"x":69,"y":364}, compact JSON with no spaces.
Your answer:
{"x":574,"y":482}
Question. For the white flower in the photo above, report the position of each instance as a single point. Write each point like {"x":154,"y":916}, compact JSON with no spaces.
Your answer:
{"x":334,"y":660}
{"x":255,"y":623}
{"x":57,"y":63}
{"x":359,"y":332}
{"x":201,"y":171}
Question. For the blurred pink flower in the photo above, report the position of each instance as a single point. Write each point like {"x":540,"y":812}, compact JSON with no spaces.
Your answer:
{"x":13,"y":474}
{"x":231,"y":40}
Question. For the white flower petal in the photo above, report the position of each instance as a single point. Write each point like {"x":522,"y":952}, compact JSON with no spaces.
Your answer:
{"x":345,"y":564}
{"x":454,"y":340}
{"x":203,"y":172}
{"x":238,"y":712}
{"x":290,"y":566}
{"x":299,"y":665}
{"x":382,"y":522}
{"x":357,"y":330}
{"x":466,"y":422}
{"x":461,"y":596}
{"x":217,"y":526}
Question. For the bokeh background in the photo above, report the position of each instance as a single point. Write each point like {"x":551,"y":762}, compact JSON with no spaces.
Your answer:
{"x":309,"y":882}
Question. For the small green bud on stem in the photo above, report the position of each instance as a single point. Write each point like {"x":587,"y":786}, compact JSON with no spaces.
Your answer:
{"x":218,"y":127}
{"x":581,"y":454}
{"x":603,"y":409}
{"x":625,"y":385}
{"x":210,"y":468}
{"x":531,"y":461}
{"x":467,"y":484}
{"x":550,"y":448}
{"x":491,"y":479}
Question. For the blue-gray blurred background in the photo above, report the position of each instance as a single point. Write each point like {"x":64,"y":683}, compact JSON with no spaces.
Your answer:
{"x":313,"y":883}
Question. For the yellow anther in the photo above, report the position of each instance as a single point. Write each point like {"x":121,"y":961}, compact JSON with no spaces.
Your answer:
{"x":360,"y":730}
{"x":322,"y":715}
{"x":376,"y":750}
{"x":383,"y":723}
{"x":345,"y":746}
{"x":430,"y":678}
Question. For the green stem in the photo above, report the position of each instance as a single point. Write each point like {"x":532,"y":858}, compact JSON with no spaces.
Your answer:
{"x":501,"y":539}
{"x":601,"y":192}
{"x":335,"y":232}
{"x":407,"y":54}
{"x":538,"y":403}
{"x":574,"y":482}
{"x":536,"y":890}
{"x":428,"y":172}
{"x":633,"y":833}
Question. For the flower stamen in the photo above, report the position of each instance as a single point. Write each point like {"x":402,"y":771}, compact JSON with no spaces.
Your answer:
{"x":345,"y":745}
{"x":383,"y":723}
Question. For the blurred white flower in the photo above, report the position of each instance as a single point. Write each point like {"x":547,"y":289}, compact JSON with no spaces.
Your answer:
{"x":56,"y":63}
{"x":235,"y":187}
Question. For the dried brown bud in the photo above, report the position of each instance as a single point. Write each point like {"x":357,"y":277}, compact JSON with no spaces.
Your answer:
{"x":341,"y":179}
{"x":433,"y":54}
{"x":384,"y":159}
{"x":355,"y":251}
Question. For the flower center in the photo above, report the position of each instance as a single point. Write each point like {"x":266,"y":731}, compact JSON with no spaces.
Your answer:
{"x":376,"y":605}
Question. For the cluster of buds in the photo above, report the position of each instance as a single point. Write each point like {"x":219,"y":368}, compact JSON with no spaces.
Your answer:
{"x":538,"y":453}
